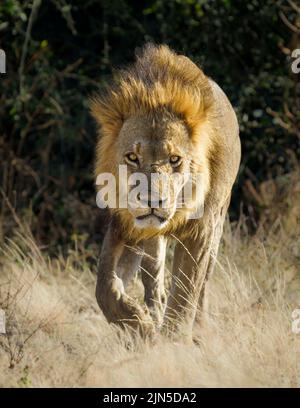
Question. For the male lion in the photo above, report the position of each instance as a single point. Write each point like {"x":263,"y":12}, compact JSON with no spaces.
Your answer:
{"x":164,"y":116}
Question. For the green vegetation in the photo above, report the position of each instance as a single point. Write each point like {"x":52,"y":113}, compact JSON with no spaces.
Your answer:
{"x":60,"y":51}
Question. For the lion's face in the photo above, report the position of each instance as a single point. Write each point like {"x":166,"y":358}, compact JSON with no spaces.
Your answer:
{"x":158,"y":153}
{"x":156,"y":119}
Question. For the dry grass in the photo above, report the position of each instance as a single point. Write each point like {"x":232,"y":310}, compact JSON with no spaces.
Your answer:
{"x":57,"y":337}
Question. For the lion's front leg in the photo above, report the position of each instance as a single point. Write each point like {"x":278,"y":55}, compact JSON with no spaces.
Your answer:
{"x":115,"y":304}
{"x":152,"y":269}
{"x":192,"y":263}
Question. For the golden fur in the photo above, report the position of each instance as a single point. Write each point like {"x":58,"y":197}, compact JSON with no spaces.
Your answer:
{"x":173,"y":81}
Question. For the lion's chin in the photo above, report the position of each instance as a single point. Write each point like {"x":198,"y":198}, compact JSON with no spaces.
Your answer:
{"x":150,"y":221}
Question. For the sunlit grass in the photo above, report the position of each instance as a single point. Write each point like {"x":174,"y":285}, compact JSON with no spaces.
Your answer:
{"x":56,"y":335}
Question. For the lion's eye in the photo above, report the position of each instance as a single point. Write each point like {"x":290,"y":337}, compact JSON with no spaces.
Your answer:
{"x":132,"y":158}
{"x":175,"y":160}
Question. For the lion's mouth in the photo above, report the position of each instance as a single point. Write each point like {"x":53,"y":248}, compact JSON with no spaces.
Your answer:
{"x":149,"y":215}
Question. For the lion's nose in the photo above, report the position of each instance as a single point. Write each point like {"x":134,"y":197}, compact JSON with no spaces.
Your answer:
{"x":153,"y":203}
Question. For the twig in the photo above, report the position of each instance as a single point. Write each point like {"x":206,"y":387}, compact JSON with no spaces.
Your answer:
{"x":294,"y":6}
{"x":35,"y":5}
{"x":290,"y":25}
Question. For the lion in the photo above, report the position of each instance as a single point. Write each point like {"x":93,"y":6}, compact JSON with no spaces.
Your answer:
{"x":163,"y":116}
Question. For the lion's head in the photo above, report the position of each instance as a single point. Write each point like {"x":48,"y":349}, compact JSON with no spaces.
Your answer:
{"x":154,"y":119}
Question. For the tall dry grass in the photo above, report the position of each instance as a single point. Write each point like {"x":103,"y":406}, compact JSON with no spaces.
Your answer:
{"x":57,"y":337}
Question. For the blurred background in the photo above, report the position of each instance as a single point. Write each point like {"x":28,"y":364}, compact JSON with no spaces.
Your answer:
{"x":60,"y":51}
